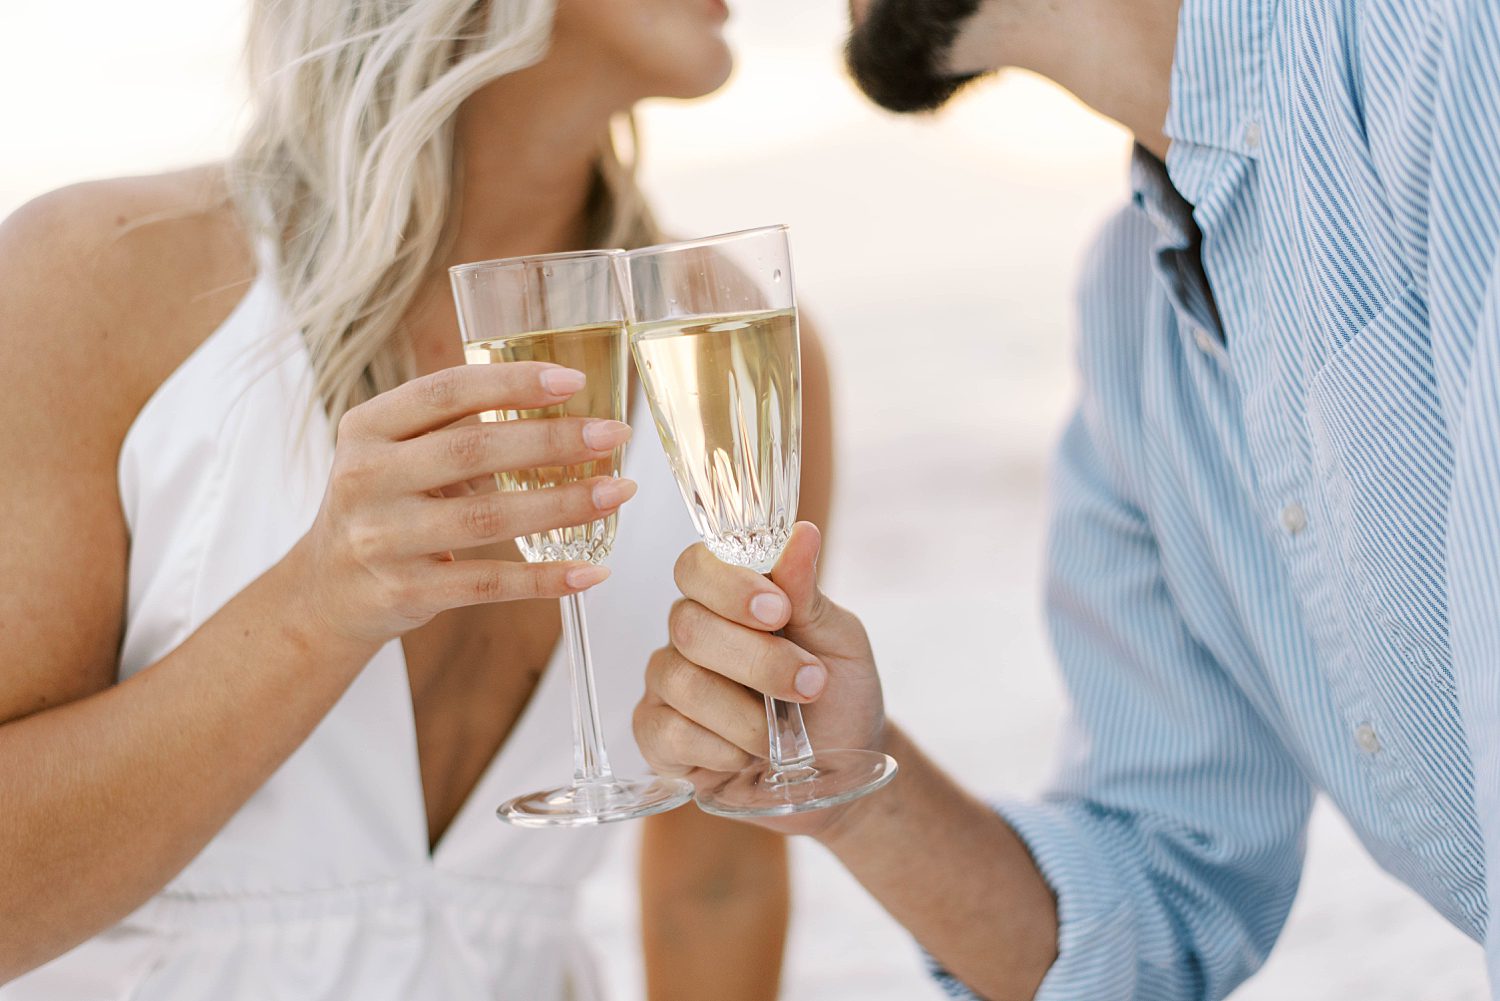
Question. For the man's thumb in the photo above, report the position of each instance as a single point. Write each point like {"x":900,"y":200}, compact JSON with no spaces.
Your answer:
{"x":796,"y":573}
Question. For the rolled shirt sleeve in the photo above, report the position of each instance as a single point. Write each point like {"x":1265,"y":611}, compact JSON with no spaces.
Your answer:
{"x":1097,"y":945}
{"x":1173,"y":835}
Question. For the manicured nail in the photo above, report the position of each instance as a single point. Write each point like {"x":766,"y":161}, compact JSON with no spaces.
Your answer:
{"x":613,"y":493}
{"x":562,"y":381}
{"x":768,"y":608}
{"x":604,"y":435}
{"x":810,"y":680}
{"x":582,"y":577}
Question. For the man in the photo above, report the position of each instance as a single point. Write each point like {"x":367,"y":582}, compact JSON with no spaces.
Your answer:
{"x":1275,"y":549}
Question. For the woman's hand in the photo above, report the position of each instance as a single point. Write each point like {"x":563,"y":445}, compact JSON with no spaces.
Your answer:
{"x":379,"y":555}
{"x":703,"y":713}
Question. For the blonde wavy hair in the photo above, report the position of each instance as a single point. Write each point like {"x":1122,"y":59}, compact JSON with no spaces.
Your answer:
{"x":349,"y":165}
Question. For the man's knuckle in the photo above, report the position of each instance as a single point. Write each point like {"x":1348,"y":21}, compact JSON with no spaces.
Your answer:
{"x":685,"y":625}
{"x":655,"y":732}
{"x":682,"y":737}
{"x":657,"y":724}
{"x":729,"y":758}
{"x":656,"y":666}
{"x":766,"y":661}
{"x":690,"y":683}
{"x":669,"y":679}
{"x":640,"y":725}
{"x":683,"y":568}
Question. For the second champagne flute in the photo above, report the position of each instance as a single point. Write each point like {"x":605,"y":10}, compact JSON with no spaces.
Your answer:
{"x":565,"y":309}
{"x":713,"y":326}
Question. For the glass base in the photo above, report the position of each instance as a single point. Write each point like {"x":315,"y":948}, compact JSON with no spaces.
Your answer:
{"x":835,"y":777}
{"x":587,"y":804}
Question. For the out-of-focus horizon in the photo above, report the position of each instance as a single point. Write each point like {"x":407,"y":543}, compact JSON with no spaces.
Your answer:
{"x":937,"y":256}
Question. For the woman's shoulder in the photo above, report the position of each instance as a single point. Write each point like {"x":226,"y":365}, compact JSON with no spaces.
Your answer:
{"x":153,"y":242}
{"x":106,"y":286}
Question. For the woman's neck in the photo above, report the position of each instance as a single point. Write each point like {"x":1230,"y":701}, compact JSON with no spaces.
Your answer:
{"x":528,"y":148}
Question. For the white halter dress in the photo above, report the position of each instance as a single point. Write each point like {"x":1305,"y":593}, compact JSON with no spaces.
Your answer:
{"x":322,"y":888}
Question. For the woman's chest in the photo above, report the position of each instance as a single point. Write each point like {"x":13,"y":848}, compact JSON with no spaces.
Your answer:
{"x":472,"y":672}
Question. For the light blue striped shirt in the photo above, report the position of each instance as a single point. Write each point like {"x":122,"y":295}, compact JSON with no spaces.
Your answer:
{"x":1275,"y":550}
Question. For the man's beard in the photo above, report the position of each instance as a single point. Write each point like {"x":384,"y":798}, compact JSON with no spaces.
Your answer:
{"x":897,"y":54}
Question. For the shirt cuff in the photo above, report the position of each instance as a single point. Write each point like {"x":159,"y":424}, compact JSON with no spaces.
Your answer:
{"x":1097,"y":950}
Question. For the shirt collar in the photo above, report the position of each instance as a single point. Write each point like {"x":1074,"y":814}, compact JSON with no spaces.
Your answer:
{"x":1153,"y":192}
{"x":1217,"y":74}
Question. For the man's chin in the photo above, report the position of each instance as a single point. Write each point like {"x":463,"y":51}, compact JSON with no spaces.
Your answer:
{"x":897,"y":50}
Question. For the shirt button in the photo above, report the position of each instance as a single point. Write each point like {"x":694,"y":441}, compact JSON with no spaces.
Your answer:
{"x":1293,"y":518}
{"x":1204,"y":340}
{"x":1252,"y":135}
{"x":1366,"y":738}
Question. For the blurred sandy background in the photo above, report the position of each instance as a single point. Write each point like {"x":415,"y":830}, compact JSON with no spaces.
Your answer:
{"x":938,"y":258}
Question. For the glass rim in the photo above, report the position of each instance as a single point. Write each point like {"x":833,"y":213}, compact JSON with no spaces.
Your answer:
{"x":706,"y":241}
{"x":511,"y":263}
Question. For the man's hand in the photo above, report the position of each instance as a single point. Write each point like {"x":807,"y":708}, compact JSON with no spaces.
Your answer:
{"x":972,"y":895}
{"x":703,"y":714}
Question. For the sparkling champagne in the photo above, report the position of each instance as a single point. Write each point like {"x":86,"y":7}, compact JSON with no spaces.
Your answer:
{"x":599,"y":352}
{"x":725,"y":393}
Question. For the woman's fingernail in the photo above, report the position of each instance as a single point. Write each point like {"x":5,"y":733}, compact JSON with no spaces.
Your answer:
{"x":562,"y":381}
{"x":810,"y":680}
{"x":613,"y":493}
{"x":582,"y":577}
{"x":768,"y":608}
{"x":604,"y":435}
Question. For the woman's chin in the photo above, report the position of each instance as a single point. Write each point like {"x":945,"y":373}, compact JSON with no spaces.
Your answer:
{"x":709,"y":72}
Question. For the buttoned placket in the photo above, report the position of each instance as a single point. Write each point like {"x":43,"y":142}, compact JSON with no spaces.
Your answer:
{"x":1171,"y":216}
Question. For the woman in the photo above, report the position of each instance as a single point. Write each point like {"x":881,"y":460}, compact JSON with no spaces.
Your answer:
{"x":266,"y":670}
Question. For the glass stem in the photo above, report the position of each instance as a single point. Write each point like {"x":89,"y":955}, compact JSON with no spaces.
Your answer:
{"x":791,"y":751}
{"x":590,"y":760}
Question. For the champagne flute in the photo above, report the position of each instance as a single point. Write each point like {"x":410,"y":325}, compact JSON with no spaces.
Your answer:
{"x":565,"y":309}
{"x":713,"y":327}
